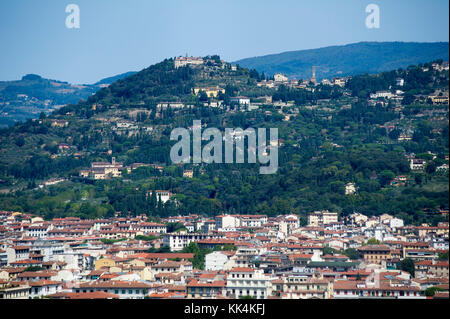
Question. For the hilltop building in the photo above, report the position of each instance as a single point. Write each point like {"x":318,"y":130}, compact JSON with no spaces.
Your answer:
{"x":183,"y":61}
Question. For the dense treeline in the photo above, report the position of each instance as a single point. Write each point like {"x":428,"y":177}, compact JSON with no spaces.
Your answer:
{"x":416,"y":81}
{"x":302,"y":96}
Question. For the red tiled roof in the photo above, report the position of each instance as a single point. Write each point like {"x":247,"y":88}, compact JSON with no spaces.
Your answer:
{"x":84,"y":295}
{"x":164,"y":255}
{"x":41,"y":283}
{"x":196,"y":283}
{"x":114,"y":284}
{"x":242,"y":269}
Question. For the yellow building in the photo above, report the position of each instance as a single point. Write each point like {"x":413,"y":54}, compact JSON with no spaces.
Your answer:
{"x":104,"y":263}
{"x":188,"y":173}
{"x":137,"y":263}
{"x":375,"y":254}
{"x":210,"y":91}
{"x":439,"y":99}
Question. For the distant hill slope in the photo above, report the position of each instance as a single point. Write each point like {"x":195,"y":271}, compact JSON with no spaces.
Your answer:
{"x":115,"y":78}
{"x":357,"y":58}
{"x":26,"y":98}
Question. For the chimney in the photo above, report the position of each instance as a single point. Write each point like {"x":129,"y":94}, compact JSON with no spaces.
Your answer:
{"x":114,"y":161}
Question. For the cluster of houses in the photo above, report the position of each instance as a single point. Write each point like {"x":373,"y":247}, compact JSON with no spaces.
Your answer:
{"x":106,"y":170}
{"x":103,"y":170}
{"x":284,"y":257}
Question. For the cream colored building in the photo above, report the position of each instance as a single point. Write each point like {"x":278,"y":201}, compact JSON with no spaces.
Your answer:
{"x":321,"y":218}
{"x":210,"y":91}
{"x":183,"y":61}
{"x":279,"y":77}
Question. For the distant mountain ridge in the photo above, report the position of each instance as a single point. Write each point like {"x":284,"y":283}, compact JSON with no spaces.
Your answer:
{"x":115,"y":78}
{"x":32,"y":94}
{"x":351,"y":59}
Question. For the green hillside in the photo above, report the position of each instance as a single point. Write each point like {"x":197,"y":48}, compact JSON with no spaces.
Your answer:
{"x":330,"y":136}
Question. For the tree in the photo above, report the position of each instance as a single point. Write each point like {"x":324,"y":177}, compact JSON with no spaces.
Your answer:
{"x":373,"y":241}
{"x":431,"y":291}
{"x":351,"y":253}
{"x":163,"y":249}
{"x":34,"y":268}
{"x":408,"y":98}
{"x":386,"y":177}
{"x":430,"y":168}
{"x":203,"y":97}
{"x":443,"y":256}
{"x":407,"y":264}
{"x":20,"y":141}
{"x":418,"y":179}
{"x":328,"y":250}
{"x":173,"y":227}
{"x":394,"y":134}
{"x":198,"y":261}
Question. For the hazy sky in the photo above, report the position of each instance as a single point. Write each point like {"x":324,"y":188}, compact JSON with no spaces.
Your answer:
{"x":117,"y":36}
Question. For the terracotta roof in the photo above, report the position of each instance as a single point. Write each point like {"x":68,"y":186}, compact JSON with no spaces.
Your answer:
{"x":242,"y":269}
{"x":43,"y":274}
{"x":353,"y":285}
{"x":374,"y":247}
{"x":26,"y":262}
{"x":114,"y":284}
{"x":41,"y":283}
{"x":84,"y":295}
{"x":21,"y":248}
{"x":441,"y":294}
{"x":167,"y":295}
{"x":196,"y":283}
{"x":208,"y":275}
{"x":164,"y":255}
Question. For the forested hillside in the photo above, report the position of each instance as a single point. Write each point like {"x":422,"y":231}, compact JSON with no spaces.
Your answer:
{"x":330,"y":137}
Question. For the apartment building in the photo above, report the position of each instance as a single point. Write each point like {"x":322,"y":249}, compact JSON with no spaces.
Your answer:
{"x":321,"y":218}
{"x":244,"y":281}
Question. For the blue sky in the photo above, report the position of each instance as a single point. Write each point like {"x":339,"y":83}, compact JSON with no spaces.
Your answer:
{"x":117,"y":36}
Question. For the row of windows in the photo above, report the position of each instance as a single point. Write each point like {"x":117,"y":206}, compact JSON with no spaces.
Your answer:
{"x":242,"y":276}
{"x":241,"y":292}
{"x":247,"y":282}
{"x":377,"y":293}
{"x":14,"y":295}
{"x":117,"y":291}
